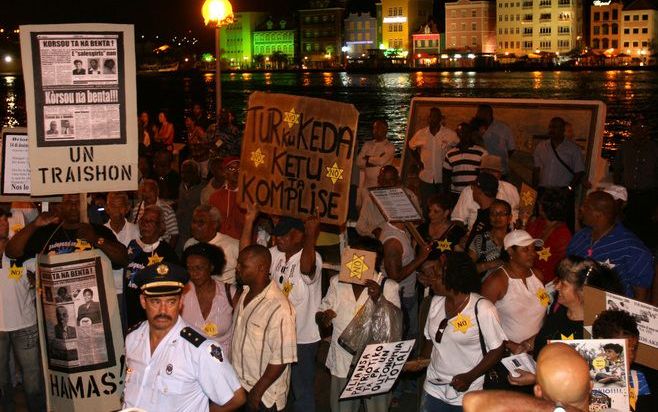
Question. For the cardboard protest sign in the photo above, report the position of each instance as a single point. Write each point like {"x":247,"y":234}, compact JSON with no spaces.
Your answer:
{"x":80,"y":332}
{"x":395,"y":205}
{"x":528,"y":197}
{"x":357,"y":266}
{"x":80,"y":97}
{"x":378,"y":368}
{"x":297,"y":155}
{"x":596,"y":301}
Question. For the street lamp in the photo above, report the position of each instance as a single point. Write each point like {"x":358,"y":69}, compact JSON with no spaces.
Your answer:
{"x":217,"y":13}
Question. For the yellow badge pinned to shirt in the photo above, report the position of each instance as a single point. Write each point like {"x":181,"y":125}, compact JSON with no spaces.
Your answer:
{"x":563,"y":337}
{"x":210,"y":329}
{"x":544,"y":254}
{"x":15,"y":272}
{"x":15,"y":228}
{"x":154,"y":259}
{"x":543,"y":297}
{"x":287,"y":288}
{"x":81,"y":245}
{"x":461,"y":323}
{"x":444,"y":245}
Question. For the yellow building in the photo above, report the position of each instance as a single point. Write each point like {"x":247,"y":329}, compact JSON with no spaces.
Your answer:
{"x":402,"y":18}
{"x":529,"y":26}
{"x":639,"y":25}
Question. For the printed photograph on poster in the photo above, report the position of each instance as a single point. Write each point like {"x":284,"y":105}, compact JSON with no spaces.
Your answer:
{"x":606,"y":359}
{"x":645,"y":315}
{"x":79,"y":88}
{"x":15,"y":163}
{"x":76,"y":327}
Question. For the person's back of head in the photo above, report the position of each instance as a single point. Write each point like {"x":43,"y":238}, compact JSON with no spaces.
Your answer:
{"x":563,"y":376}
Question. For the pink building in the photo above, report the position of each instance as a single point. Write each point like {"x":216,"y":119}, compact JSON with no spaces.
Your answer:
{"x":471,"y":26}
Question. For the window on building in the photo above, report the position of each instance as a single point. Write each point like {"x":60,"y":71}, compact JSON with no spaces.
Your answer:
{"x":500,"y":31}
{"x":606,"y":29}
{"x":636,"y":31}
{"x":463,"y":26}
{"x":517,"y":30}
{"x":635,"y":44}
{"x":597,"y":16}
{"x":474,"y":41}
{"x":645,"y":17}
{"x":645,"y":30}
{"x":544,"y":30}
{"x":453,"y":26}
{"x":615,"y":14}
{"x":474,"y":26}
{"x":545,"y":16}
{"x":500,"y":17}
{"x":564,"y":29}
{"x":636,"y":17}
{"x":527,"y":45}
{"x":474,"y":13}
{"x":605,"y":43}
{"x":527,"y":30}
{"x":506,"y":45}
{"x":390,"y":11}
{"x":615,"y":44}
{"x":399,"y":26}
{"x":400,"y":11}
{"x":527,"y":17}
{"x":606,"y":15}
{"x":645,"y":43}
{"x":627,"y":18}
{"x":614,"y":28}
{"x":505,"y":30}
{"x":500,"y":44}
{"x":563,"y":44}
{"x":518,"y":17}
{"x":463,"y":13}
{"x":506,"y":17}
{"x":390,"y":28}
{"x":626,"y":31}
{"x":453,"y":13}
{"x":626,"y":44}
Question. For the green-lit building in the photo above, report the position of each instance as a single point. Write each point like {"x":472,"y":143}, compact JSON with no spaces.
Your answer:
{"x":236,"y":39}
{"x":275,"y":43}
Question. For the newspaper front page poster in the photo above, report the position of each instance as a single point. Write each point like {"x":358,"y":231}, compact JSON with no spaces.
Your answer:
{"x":81,"y":105}
{"x":15,"y":163}
{"x":80,"y":332}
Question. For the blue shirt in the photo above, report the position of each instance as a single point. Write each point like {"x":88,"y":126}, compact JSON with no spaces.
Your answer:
{"x":621,"y":250}
{"x":499,"y":141}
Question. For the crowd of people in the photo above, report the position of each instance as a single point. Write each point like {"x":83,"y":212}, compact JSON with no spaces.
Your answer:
{"x":224,"y":307}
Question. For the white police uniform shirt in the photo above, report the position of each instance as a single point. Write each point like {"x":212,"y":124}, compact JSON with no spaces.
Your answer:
{"x":182,"y":373}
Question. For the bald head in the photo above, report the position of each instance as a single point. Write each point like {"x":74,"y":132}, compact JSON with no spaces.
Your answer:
{"x":563,"y":376}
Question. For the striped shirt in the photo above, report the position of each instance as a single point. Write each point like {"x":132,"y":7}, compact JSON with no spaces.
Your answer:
{"x":464,"y":165}
{"x":264,"y":333}
{"x":620,"y":250}
{"x":171,"y":224}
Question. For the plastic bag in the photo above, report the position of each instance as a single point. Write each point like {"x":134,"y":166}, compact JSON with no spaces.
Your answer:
{"x":375,"y":322}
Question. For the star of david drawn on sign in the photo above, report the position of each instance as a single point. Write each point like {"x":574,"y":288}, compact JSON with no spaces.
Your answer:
{"x":334,"y":173}
{"x":291,"y":118}
{"x":257,"y":157}
{"x":357,"y":266}
{"x":528,"y":198}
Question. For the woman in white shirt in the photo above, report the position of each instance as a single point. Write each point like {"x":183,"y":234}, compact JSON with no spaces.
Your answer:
{"x":517,"y":290}
{"x":457,"y":317}
{"x":208,"y":303}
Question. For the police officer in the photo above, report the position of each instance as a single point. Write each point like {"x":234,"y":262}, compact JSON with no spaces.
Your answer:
{"x":170,"y":366}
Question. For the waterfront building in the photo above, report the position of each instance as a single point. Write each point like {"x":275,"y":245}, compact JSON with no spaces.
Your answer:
{"x":236,"y":39}
{"x":379,"y":17}
{"x":639,"y":25}
{"x":321,"y":33}
{"x":275,"y":41}
{"x":400,"y":19}
{"x":426,"y":45}
{"x":534,"y":26}
{"x":360,"y":34}
{"x":471,"y":26}
{"x":605,"y":26}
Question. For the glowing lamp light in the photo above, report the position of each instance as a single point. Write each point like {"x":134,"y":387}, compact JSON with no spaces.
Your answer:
{"x":8,"y":59}
{"x":471,"y":56}
{"x":458,"y":56}
{"x":207,"y":57}
{"x":345,"y":49}
{"x":217,"y":12}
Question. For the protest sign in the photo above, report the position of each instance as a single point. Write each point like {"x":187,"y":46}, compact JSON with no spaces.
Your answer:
{"x":80,"y":332}
{"x":15,"y":163}
{"x":606,"y":359}
{"x":80,"y":98}
{"x":395,"y":205}
{"x":297,"y":155}
{"x":378,"y":368}
{"x":358,"y":266}
{"x":645,"y":315}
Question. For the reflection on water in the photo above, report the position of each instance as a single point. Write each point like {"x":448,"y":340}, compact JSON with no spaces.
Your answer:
{"x":387,"y":95}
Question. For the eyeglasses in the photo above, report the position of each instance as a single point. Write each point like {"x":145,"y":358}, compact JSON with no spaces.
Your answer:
{"x":439,"y":332}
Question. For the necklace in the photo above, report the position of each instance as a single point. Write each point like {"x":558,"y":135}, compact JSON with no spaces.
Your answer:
{"x":592,"y":242}
{"x":460,"y":307}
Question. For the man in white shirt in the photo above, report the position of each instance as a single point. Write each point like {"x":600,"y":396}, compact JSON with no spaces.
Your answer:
{"x":206,"y":221}
{"x":169,"y":365}
{"x":297,"y":270}
{"x":117,"y":209}
{"x":433,"y":141}
{"x":466,"y":209}
{"x":374,"y":154}
{"x":149,"y":194}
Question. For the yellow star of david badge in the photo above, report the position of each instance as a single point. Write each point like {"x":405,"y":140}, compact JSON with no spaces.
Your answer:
{"x":334,"y":173}
{"x":461,"y":323}
{"x":15,"y":272}
{"x":357,"y":266}
{"x":444,"y":245}
{"x":544,"y":254}
{"x":562,"y":337}
{"x":528,"y":198}
{"x":543,"y":297}
{"x":257,"y":157}
{"x":154,"y":259}
{"x":81,"y":245}
{"x":16,"y":228}
{"x":287,"y":288}
{"x":210,"y":329}
{"x":291,"y":118}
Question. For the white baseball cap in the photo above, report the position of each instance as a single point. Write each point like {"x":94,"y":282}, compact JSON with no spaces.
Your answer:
{"x":617,"y":192}
{"x":520,"y":238}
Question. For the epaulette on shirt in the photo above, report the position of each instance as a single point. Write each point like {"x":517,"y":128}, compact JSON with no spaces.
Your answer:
{"x":192,"y":336}
{"x":133,"y":328}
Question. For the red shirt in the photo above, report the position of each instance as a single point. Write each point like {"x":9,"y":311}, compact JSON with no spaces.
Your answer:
{"x":556,"y":241}
{"x":225,"y":200}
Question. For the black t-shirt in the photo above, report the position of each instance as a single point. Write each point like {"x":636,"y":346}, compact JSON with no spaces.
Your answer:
{"x":446,"y":243}
{"x":482,"y":224}
{"x":558,"y":326}
{"x":138,"y":259}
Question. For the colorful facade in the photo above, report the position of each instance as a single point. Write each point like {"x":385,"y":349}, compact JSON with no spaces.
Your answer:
{"x":426,"y":46}
{"x":639,"y":25}
{"x":276,"y":39}
{"x":471,"y":26}
{"x":321,"y":34}
{"x":605,"y":27}
{"x":360,"y":34}
{"x":236,"y":39}
{"x":402,"y":18}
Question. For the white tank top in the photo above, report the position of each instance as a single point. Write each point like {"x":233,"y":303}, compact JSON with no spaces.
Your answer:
{"x":408,"y":285}
{"x":522,"y":309}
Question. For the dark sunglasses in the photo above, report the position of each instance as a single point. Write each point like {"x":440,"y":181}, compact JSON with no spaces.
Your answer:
{"x":439,"y":331}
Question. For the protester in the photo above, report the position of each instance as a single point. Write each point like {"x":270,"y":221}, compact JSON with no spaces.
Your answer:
{"x":168,"y":179}
{"x":609,"y":242}
{"x":374,"y":154}
{"x":483,"y":193}
{"x":206,"y":222}
{"x":169,"y":365}
{"x":462,"y":163}
{"x":164,"y":136}
{"x":264,"y":339}
{"x":216,"y":182}
{"x":149,"y":196}
{"x":515,"y":286}
{"x":443,"y":234}
{"x":339,"y":306}
{"x":228,"y":135}
{"x":433,"y":142}
{"x":551,"y":228}
{"x":487,"y":247}
{"x":208,"y":303}
{"x":189,"y":197}
{"x":18,"y":328}
{"x":200,"y":117}
{"x":117,"y":208}
{"x":458,"y":316}
{"x":498,"y":137}
{"x":146,"y":131}
{"x":225,"y":200}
